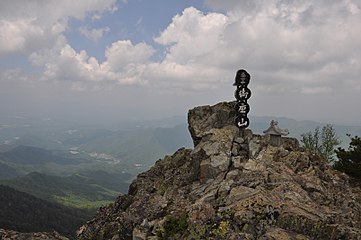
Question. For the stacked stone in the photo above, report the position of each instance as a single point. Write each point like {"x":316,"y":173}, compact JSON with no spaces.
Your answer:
{"x":242,"y":94}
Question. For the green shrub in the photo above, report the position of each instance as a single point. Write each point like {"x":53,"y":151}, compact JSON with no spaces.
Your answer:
{"x":321,"y":141}
{"x":349,"y":161}
{"x":173,"y":225}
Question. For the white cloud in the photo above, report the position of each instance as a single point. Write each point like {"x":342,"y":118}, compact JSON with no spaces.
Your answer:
{"x":124,"y":64}
{"x":123,"y":53}
{"x":93,"y":34}
{"x":286,"y":45}
{"x":192,"y":34}
{"x":15,"y":35}
{"x":192,"y":40}
{"x":27,"y":26}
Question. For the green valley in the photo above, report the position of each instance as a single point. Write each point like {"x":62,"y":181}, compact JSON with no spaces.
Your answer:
{"x":91,"y":168}
{"x":78,"y":190}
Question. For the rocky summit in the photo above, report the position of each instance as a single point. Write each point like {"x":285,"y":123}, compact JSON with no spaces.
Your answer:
{"x":233,"y":185}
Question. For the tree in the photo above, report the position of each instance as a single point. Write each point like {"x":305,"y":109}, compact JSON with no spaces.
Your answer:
{"x":322,"y":141}
{"x":349,"y":161}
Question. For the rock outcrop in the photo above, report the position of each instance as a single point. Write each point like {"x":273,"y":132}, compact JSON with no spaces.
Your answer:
{"x":14,"y":235}
{"x":232,"y":185}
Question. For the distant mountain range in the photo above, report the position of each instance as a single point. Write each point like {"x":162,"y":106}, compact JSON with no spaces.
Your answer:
{"x":96,"y":166}
{"x":75,"y":163}
{"x":21,"y":160}
{"x":141,"y":147}
{"x":135,"y":150}
{"x":27,"y":155}
{"x":62,"y":135}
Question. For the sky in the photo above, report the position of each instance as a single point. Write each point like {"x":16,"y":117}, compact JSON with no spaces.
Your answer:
{"x":106,"y":60}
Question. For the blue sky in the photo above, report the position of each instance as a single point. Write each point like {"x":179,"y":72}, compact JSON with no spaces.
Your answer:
{"x":109,"y":60}
{"x":138,"y":21}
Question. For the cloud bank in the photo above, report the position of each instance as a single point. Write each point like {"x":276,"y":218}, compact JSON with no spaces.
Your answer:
{"x":27,"y":26}
{"x":297,"y":46}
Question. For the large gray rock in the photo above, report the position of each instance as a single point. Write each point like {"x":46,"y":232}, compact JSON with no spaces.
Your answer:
{"x":233,"y":186}
{"x":202,"y":119}
{"x":214,"y":153}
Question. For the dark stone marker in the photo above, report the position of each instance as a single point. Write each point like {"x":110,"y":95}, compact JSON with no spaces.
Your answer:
{"x":242,"y":94}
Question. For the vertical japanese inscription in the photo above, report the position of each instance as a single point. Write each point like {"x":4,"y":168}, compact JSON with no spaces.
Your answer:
{"x":242,"y":94}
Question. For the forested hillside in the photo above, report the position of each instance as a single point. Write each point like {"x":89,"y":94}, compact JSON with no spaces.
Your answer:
{"x":25,"y":213}
{"x":88,"y":190}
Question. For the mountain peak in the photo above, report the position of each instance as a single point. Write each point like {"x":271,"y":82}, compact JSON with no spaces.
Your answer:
{"x":233,"y":185}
